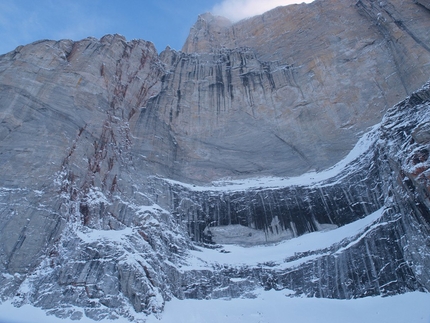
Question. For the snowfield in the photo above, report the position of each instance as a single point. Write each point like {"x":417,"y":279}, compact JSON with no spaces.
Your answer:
{"x":276,"y":307}
{"x":268,"y":307}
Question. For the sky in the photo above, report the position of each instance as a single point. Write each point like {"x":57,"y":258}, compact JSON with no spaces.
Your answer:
{"x":163,"y":22}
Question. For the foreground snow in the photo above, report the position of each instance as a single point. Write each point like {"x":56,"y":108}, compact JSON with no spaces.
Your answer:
{"x":268,"y":307}
{"x":273,"y":307}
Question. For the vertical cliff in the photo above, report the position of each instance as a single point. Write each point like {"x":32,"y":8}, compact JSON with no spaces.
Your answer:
{"x":384,"y":187}
{"x":326,"y":71}
{"x":110,"y":152}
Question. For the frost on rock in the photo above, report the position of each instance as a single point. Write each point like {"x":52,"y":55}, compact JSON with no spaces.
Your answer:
{"x":100,"y":272}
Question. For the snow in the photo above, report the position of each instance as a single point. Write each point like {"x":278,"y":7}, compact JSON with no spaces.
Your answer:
{"x":90,"y":236}
{"x":307,"y":179}
{"x":30,"y":314}
{"x":273,"y":306}
{"x":234,"y":255}
{"x":96,"y":197}
{"x":269,"y":307}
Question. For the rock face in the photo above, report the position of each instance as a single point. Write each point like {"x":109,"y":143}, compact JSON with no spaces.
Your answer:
{"x":108,"y":150}
{"x":326,"y":71}
{"x":385,"y":258}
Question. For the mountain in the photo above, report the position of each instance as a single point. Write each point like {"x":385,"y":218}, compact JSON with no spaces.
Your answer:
{"x":129,"y":177}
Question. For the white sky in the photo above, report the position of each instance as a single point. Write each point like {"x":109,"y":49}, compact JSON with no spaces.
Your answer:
{"x":239,"y":9}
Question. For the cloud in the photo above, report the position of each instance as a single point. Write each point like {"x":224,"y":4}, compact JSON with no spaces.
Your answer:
{"x":236,"y":10}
